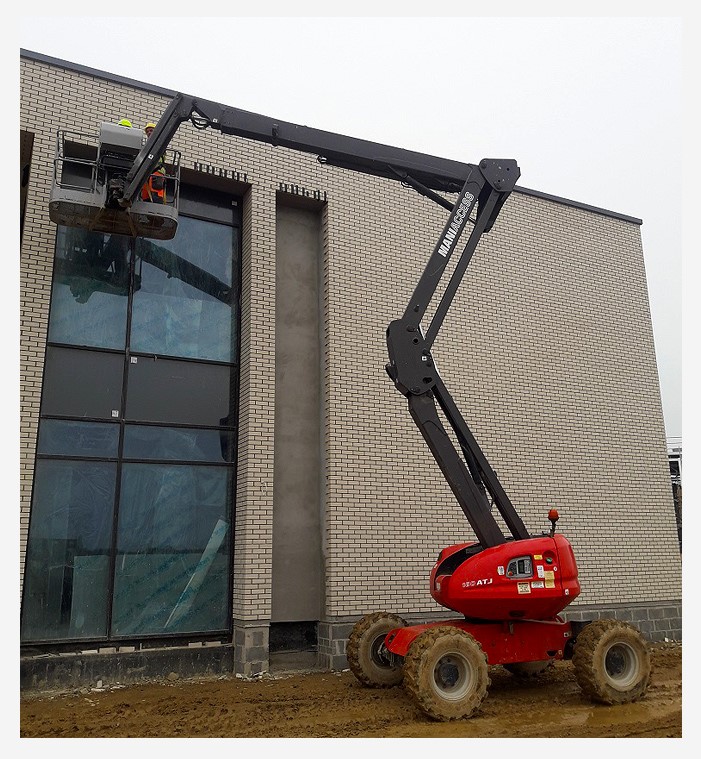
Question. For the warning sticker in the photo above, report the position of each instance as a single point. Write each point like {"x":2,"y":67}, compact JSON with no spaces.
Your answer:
{"x":537,"y":584}
{"x":541,"y":571}
{"x":500,"y":570}
{"x":524,"y":587}
{"x":549,"y":575}
{"x":538,"y":556}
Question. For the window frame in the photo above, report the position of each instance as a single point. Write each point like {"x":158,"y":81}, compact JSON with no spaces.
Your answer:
{"x":229,"y":428}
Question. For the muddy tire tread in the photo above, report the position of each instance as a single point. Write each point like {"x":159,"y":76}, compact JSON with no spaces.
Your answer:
{"x":587,"y":669}
{"x":415,"y":674}
{"x":358,"y":650}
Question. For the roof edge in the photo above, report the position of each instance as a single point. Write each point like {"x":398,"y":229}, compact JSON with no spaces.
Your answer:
{"x":577,"y":204}
{"x":98,"y":73}
{"x":155,"y":89}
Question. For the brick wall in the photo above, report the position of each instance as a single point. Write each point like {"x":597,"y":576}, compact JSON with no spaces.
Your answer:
{"x":548,"y":351}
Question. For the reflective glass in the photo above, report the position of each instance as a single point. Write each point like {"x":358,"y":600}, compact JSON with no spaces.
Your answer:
{"x":178,"y":444}
{"x":59,"y":437}
{"x":67,"y":567}
{"x":90,"y":288}
{"x":184,"y":299}
{"x":172,"y":567}
{"x":172,"y":570}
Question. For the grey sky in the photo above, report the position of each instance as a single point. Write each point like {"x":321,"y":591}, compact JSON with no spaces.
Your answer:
{"x":591,"y":108}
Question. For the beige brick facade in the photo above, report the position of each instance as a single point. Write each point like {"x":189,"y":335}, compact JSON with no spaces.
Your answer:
{"x":548,"y":351}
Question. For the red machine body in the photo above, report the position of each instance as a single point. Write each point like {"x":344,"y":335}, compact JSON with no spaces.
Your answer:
{"x":502,"y":642}
{"x":521,"y":579}
{"x":510,"y":596}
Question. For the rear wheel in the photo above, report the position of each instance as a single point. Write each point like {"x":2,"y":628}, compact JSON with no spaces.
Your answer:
{"x":611,"y":662}
{"x":446,"y":673}
{"x":367,"y":656}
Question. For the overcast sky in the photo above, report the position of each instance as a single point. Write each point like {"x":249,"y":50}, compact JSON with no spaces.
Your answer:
{"x":591,"y":108}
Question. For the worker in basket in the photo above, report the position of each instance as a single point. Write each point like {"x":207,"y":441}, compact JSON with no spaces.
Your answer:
{"x":154,"y":189}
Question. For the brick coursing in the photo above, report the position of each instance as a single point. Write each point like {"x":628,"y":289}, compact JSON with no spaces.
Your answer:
{"x":548,"y":350}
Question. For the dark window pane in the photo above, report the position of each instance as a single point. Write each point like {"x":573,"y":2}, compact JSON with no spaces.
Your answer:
{"x":90,"y":288}
{"x":67,"y":567}
{"x":66,"y":438}
{"x":82,"y":383}
{"x":206,"y":204}
{"x":178,"y":444}
{"x":185,"y":303}
{"x":179,"y":392}
{"x":172,"y":566}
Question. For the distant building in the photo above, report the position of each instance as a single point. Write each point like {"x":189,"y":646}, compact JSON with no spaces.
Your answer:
{"x":674,"y":454}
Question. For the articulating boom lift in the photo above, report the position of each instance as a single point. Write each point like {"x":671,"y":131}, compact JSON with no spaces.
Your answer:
{"x":509,"y":590}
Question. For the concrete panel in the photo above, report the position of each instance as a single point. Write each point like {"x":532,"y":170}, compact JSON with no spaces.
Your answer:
{"x":296,"y":581}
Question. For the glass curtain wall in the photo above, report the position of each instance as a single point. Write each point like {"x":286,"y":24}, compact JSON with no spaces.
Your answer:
{"x":131,"y":525}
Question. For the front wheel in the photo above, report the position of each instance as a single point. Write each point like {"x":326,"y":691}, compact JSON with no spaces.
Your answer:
{"x":446,"y":673}
{"x":611,"y":662}
{"x":367,"y":656}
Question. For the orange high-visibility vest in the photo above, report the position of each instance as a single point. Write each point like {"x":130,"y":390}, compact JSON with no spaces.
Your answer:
{"x":149,"y":192}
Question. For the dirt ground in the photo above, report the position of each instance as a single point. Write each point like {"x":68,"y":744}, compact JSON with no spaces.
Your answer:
{"x":336,"y":705}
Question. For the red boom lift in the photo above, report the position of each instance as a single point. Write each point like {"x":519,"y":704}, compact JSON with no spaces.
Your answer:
{"x":509,"y":591}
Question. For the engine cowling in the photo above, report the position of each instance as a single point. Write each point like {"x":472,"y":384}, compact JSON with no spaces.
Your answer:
{"x":522,"y":579}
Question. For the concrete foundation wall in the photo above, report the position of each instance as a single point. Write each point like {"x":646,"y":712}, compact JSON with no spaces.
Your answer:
{"x":248,"y":656}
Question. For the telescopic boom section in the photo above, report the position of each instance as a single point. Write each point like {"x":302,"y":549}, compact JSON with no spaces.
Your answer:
{"x":425,"y":173}
{"x":482,"y":191}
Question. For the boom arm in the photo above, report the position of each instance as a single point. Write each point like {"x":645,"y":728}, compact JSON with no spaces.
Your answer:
{"x":482,"y":189}
{"x":426,"y":174}
{"x":412,"y":369}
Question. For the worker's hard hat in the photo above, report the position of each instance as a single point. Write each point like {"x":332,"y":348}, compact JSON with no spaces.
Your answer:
{"x":150,"y":125}
{"x":125,"y":122}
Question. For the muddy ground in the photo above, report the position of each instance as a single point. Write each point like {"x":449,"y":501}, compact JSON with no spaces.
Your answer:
{"x":335,"y":705}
